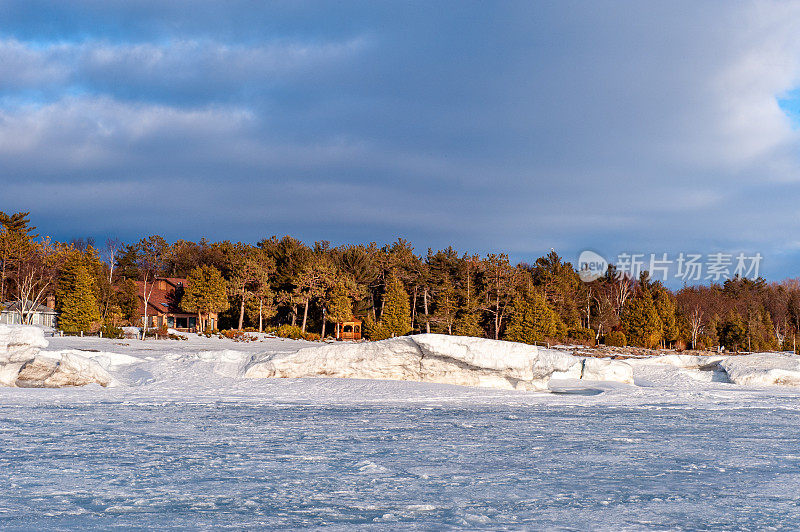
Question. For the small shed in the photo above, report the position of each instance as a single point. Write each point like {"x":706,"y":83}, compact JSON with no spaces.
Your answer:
{"x":349,"y":330}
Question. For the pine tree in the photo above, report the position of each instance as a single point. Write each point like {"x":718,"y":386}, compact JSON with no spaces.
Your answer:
{"x":444,"y":315}
{"x":616,"y":339}
{"x":340,"y":306}
{"x":468,"y":322}
{"x":312,"y":283}
{"x":640,"y":321}
{"x":469,"y":314}
{"x":372,"y":330}
{"x":733,"y":332}
{"x":767,"y":339}
{"x":396,"y":315}
{"x":501,"y":280}
{"x":77,"y":300}
{"x":532,"y":319}
{"x":562,"y":287}
{"x":665,"y":306}
{"x":205,"y":293}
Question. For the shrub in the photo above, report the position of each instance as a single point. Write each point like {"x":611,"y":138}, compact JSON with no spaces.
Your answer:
{"x":705,"y":342}
{"x":288,"y":331}
{"x":237,"y":336}
{"x":379,"y":332}
{"x":295,"y":333}
{"x":372,"y":330}
{"x":209,"y":332}
{"x":789,"y":344}
{"x":582,"y":335}
{"x":109,"y":331}
{"x":616,"y":339}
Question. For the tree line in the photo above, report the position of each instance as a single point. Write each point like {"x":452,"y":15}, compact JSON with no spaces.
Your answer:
{"x":394,"y":290}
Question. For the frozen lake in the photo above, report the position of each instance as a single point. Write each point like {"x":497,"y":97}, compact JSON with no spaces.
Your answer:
{"x":183,"y":440}
{"x":502,"y":461}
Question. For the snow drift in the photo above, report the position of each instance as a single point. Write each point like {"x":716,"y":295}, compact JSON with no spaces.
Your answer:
{"x":757,"y":369}
{"x":699,"y":362}
{"x":763,"y":369}
{"x":59,"y":370}
{"x":19,"y":343}
{"x":22,"y":363}
{"x":426,"y":358}
{"x":603,"y":369}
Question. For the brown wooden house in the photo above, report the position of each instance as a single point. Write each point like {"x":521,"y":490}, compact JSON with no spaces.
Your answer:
{"x":164,"y":307}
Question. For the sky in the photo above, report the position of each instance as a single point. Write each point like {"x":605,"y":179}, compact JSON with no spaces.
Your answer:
{"x":620,"y":127}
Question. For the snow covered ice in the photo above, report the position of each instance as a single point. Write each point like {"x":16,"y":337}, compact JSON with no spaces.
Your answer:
{"x":425,"y":358}
{"x":182,"y":438}
{"x":22,"y":364}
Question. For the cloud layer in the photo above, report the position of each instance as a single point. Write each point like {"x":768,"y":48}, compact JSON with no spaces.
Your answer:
{"x":514,"y":126}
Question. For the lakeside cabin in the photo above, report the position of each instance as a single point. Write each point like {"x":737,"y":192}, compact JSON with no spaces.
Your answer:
{"x":164,"y":307}
{"x":42,"y":315}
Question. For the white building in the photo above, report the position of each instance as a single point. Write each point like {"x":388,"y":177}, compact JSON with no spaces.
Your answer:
{"x":40,"y":315}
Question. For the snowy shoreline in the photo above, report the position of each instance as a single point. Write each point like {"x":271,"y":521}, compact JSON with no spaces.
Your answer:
{"x":27,"y":360}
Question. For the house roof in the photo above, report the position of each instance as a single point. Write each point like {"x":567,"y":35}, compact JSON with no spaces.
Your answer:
{"x":14,"y":306}
{"x":162,"y":300}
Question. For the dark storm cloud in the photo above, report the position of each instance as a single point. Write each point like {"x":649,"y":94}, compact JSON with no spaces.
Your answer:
{"x":502,"y":126}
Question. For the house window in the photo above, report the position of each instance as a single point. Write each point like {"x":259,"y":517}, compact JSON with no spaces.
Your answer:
{"x":171,"y":321}
{"x":192,"y":323}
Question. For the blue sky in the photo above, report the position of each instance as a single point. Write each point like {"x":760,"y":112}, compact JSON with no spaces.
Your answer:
{"x":510,"y":126}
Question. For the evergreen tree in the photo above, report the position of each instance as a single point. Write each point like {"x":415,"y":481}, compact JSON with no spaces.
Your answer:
{"x":373,"y":330}
{"x":262,"y":305}
{"x":314,"y":280}
{"x":733,"y":332}
{"x":500,"y":289}
{"x":616,"y":339}
{"x":339,"y":305}
{"x":396,"y":315}
{"x":767,"y":339}
{"x":205,"y":293}
{"x":566,"y":294}
{"x":532,"y":319}
{"x":127,"y":299}
{"x":468,"y":318}
{"x":444,"y":316}
{"x":468,"y":322}
{"x":665,"y":306}
{"x":640,"y":321}
{"x":77,"y":300}
{"x":16,"y":236}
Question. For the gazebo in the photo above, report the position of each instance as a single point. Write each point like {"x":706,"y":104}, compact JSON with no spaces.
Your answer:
{"x":349,"y":330}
